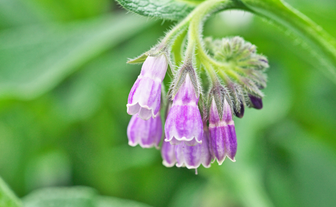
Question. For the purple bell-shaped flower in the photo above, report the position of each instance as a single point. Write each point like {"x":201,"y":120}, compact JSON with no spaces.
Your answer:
{"x":145,"y":96}
{"x":184,"y":121}
{"x":223,"y":139}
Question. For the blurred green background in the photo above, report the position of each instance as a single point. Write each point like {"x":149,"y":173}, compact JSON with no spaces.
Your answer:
{"x":64,"y":84}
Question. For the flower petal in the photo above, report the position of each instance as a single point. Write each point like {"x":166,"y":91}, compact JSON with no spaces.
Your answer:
{"x":184,"y":123}
{"x":168,"y":154}
{"x":146,"y":133}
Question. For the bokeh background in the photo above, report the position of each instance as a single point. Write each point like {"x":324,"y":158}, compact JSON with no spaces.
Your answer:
{"x":64,"y":84}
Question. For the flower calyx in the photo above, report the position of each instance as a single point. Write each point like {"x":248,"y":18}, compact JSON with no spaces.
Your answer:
{"x":219,"y":94}
{"x":186,"y":69}
{"x":155,"y":51}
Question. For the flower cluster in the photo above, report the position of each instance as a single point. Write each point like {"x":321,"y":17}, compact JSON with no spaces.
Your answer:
{"x":196,"y":130}
{"x":246,"y":77}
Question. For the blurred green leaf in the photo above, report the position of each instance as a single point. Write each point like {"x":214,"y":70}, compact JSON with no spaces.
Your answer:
{"x":35,"y":59}
{"x":189,"y":194}
{"x":7,"y":197}
{"x":15,"y":13}
{"x":74,"y":197}
{"x":48,"y":169}
{"x":81,"y":89}
{"x":105,"y":201}
{"x":306,"y":166}
{"x":61,"y":197}
{"x":165,"y":9}
{"x":62,"y":10}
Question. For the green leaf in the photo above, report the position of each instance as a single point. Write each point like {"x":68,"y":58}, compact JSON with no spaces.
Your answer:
{"x":7,"y":197}
{"x":16,"y":12}
{"x":36,"y":59}
{"x":165,"y":9}
{"x":74,"y":197}
{"x":61,"y":197}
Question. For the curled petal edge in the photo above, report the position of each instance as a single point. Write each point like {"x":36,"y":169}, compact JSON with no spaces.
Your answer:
{"x":183,"y":139}
{"x":165,"y":163}
{"x":192,"y":167}
{"x":137,"y":108}
{"x":133,"y":144}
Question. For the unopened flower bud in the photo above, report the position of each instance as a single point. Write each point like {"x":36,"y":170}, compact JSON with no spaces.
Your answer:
{"x":240,"y":113}
{"x":145,"y":96}
{"x":223,"y":140}
{"x":256,"y":102}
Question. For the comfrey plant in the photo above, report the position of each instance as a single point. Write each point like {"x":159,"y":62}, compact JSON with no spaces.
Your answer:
{"x":236,"y":77}
{"x":199,"y":121}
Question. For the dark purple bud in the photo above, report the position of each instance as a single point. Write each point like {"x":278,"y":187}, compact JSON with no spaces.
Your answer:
{"x":256,"y":102}
{"x":260,"y":87}
{"x":263,"y":59}
{"x":240,"y":113}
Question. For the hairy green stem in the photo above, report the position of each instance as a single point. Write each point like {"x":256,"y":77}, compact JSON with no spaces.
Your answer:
{"x":195,"y":39}
{"x":172,"y":34}
{"x":177,"y":48}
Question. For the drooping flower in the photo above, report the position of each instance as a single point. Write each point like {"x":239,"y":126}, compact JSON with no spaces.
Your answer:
{"x":184,"y":155}
{"x":193,"y":156}
{"x":145,"y":96}
{"x":223,"y":140}
{"x":184,"y":122}
{"x":146,"y":133}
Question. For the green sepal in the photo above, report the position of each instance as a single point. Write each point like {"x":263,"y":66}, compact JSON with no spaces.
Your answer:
{"x":138,"y":60}
{"x":203,"y":108}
